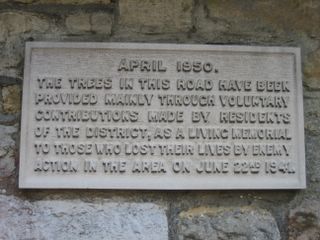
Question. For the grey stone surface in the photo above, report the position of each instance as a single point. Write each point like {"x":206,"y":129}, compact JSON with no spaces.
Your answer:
{"x":16,"y":219}
{"x":75,"y":219}
{"x":7,"y":150}
{"x":78,"y":23}
{"x":6,"y":80}
{"x":11,"y":98}
{"x":312,"y":114}
{"x":257,"y":21}
{"x":312,"y":131}
{"x":15,"y":27}
{"x":304,"y":221}
{"x":101,"y":23}
{"x":15,"y":22}
{"x":58,"y":1}
{"x":312,"y":71}
{"x":82,"y":23}
{"x":154,"y":17}
{"x":8,"y":119}
{"x":227,"y":224}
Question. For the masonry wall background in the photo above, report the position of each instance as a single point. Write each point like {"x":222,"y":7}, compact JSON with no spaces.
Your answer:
{"x":90,"y":214}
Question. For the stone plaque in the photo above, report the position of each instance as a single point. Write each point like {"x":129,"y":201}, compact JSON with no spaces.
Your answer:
{"x":161,"y":116}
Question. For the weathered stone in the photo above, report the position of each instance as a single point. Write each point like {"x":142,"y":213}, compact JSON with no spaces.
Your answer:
{"x":312,"y":153}
{"x":101,"y":23}
{"x":11,"y":98}
{"x":312,"y":84}
{"x":6,"y":80}
{"x":11,"y":56}
{"x":75,"y":1}
{"x":255,"y":16}
{"x":7,"y":119}
{"x":18,"y":1}
{"x":312,"y":71}
{"x":7,"y":150}
{"x":75,"y":219}
{"x":257,"y":21}
{"x":78,"y":23}
{"x":59,"y":1}
{"x":21,"y":22}
{"x":312,"y":134}
{"x":312,"y":113}
{"x":14,"y":28}
{"x":304,"y":221}
{"x":164,"y":16}
{"x":3,"y":33}
{"x":83,"y":23}
{"x":15,"y":221}
{"x":227,"y":224}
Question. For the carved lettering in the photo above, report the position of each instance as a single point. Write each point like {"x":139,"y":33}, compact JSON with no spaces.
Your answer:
{"x":142,"y":65}
{"x":90,"y":83}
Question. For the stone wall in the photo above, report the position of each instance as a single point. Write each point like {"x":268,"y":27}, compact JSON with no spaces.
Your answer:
{"x":83,"y":214}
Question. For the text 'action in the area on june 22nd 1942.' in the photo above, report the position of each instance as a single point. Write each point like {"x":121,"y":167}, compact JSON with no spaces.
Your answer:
{"x":161,"y":116}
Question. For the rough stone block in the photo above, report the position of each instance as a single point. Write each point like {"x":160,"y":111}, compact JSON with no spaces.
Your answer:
{"x":312,"y":71}
{"x":7,"y":149}
{"x":8,"y":119}
{"x":3,"y":33}
{"x":14,"y":23}
{"x":11,"y":55}
{"x":15,"y":27}
{"x":257,"y":21}
{"x":304,"y":221}
{"x":83,"y":23}
{"x":101,"y":23}
{"x":75,"y":219}
{"x":163,"y":16}
{"x":312,"y":134}
{"x":312,"y":113}
{"x":15,"y":221}
{"x":59,"y":1}
{"x":11,"y":99}
{"x":227,"y":224}
{"x":78,"y":23}
{"x":6,"y":80}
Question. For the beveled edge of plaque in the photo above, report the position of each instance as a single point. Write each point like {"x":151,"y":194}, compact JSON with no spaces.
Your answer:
{"x":24,"y":114}
{"x":300,"y":119}
{"x":296,"y":51}
{"x":164,"y":46}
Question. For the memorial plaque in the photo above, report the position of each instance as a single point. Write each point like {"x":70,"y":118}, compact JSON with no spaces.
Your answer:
{"x":161,"y":116}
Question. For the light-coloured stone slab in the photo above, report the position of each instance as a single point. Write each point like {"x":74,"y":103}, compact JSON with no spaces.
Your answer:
{"x":161,"y":116}
{"x":227,"y":224}
{"x":75,"y":219}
